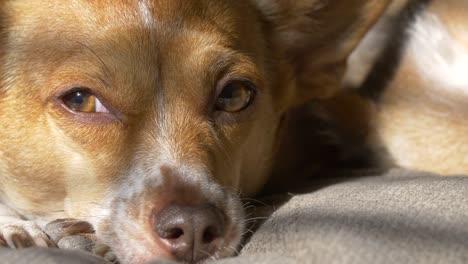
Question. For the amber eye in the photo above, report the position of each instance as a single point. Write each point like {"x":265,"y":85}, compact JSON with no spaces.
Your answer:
{"x":235,"y":97}
{"x":83,"y":101}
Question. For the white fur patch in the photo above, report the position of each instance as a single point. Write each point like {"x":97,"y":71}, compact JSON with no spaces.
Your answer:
{"x":439,"y":57}
{"x":145,"y":13}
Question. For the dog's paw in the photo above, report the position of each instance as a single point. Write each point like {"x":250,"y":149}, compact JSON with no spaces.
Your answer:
{"x":79,"y":235}
{"x":71,"y":234}
{"x":23,"y":234}
{"x":105,"y":252}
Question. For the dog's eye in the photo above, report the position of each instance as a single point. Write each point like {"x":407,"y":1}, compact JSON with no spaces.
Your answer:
{"x":83,"y":101}
{"x":235,"y":97}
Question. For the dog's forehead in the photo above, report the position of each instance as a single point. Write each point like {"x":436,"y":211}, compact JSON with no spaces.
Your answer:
{"x":156,"y":14}
{"x":100,"y":17}
{"x":168,"y":27}
{"x":141,"y":41}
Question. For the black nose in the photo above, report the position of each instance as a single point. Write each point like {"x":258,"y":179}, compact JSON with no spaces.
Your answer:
{"x":193,"y":232}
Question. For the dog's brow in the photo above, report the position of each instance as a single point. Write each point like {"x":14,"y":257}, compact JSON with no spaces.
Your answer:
{"x":104,"y":66}
{"x":238,"y":64}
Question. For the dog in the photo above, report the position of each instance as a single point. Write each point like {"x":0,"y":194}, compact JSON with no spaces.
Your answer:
{"x":150,"y":119}
{"x":406,"y":85}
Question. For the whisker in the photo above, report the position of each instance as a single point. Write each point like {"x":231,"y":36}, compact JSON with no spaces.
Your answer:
{"x":255,"y":200}
{"x":234,"y":249}
{"x":247,"y":231}
{"x":255,"y":219}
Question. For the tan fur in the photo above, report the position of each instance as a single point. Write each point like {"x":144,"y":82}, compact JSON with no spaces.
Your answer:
{"x":158,"y":76}
{"x":422,"y":124}
{"x":420,"y":121}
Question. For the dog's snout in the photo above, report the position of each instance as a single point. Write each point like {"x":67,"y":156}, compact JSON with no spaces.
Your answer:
{"x":193,"y":232}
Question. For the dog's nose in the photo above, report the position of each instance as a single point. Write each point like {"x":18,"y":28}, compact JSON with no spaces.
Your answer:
{"x":193,"y":232}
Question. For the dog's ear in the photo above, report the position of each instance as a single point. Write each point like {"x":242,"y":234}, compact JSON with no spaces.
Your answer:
{"x":316,"y":36}
{"x":2,"y":40}
{"x":2,"y":29}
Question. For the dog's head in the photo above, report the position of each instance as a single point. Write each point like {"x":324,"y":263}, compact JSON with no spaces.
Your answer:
{"x":148,"y":117}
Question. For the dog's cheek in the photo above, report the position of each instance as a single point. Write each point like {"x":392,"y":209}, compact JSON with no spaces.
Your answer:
{"x":95,"y":157}
{"x":257,"y":158}
{"x":251,"y":146}
{"x":30,"y":167}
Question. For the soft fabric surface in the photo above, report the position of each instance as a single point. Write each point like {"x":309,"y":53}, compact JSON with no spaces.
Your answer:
{"x":47,"y":256}
{"x":397,"y":217}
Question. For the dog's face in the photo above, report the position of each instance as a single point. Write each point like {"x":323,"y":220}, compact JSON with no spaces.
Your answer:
{"x":115,"y":111}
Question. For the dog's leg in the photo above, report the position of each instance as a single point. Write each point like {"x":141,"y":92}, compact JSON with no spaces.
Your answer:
{"x":16,"y":232}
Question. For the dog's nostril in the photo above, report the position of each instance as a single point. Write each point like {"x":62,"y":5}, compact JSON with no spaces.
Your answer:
{"x":173,"y":233}
{"x":211,"y":233}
